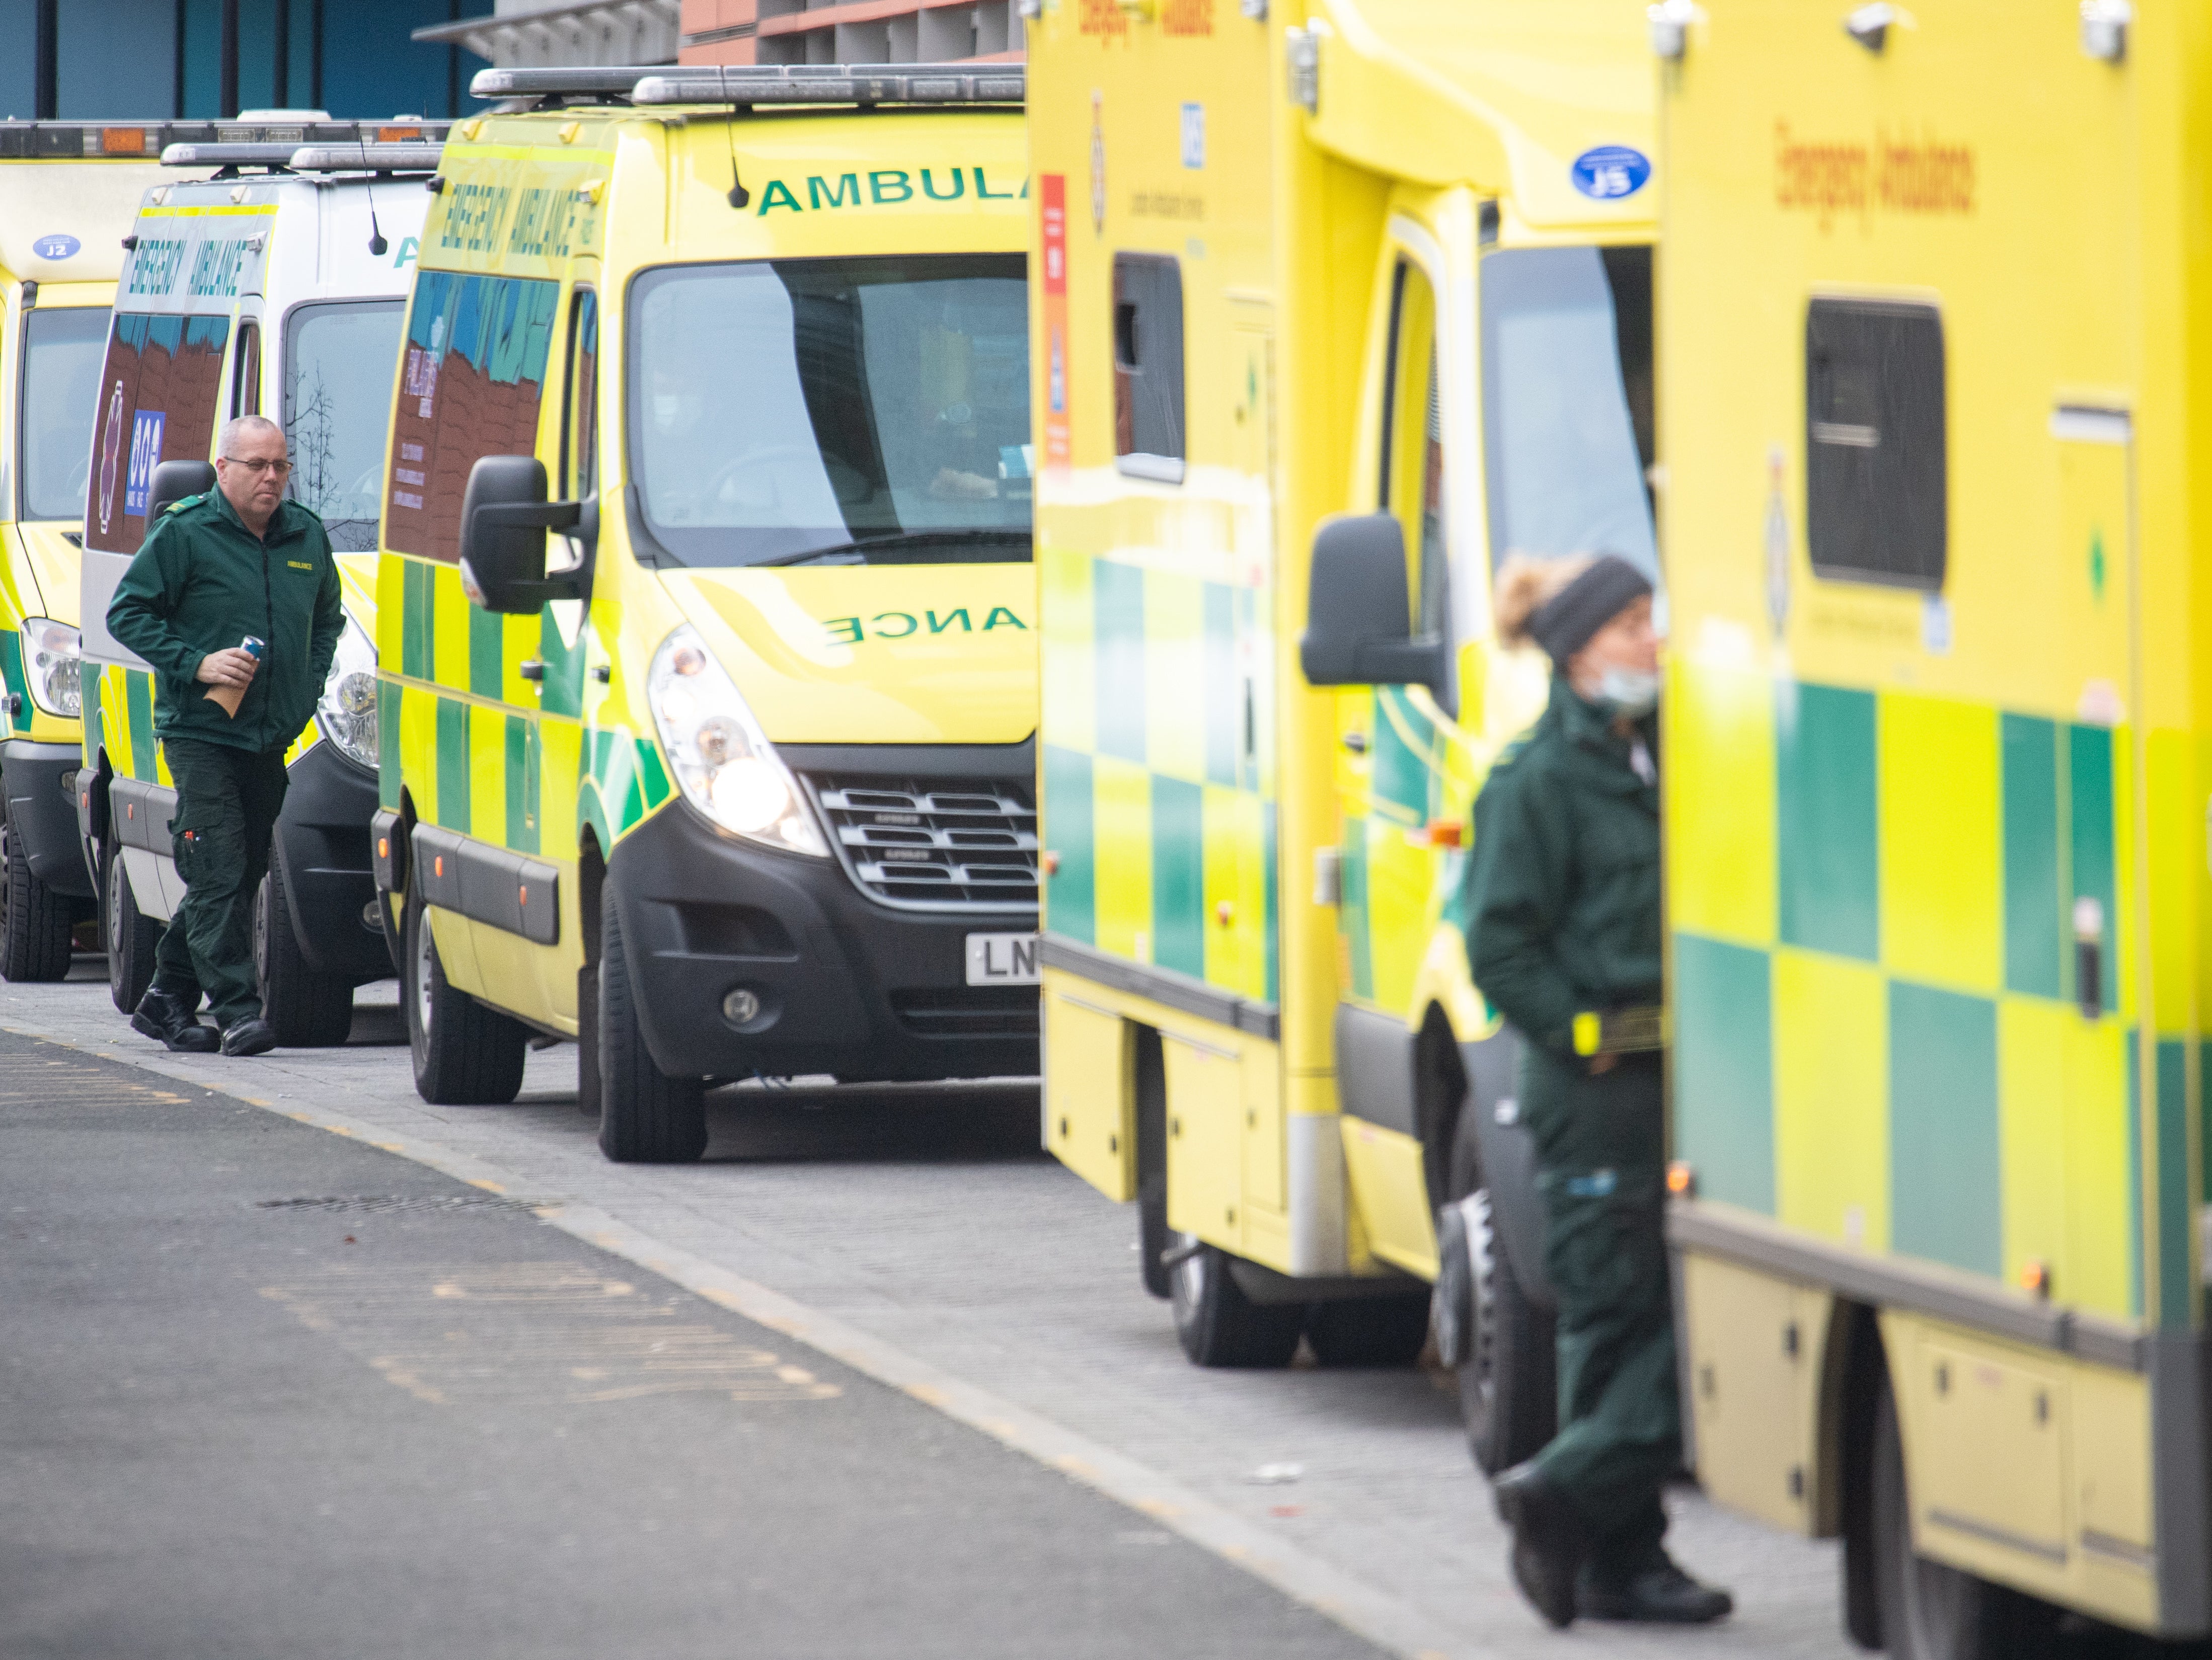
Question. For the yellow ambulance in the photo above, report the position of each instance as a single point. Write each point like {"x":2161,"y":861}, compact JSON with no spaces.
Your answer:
{"x":1335,"y":306}
{"x":708,"y":621}
{"x":1934,"y":407}
{"x":68,"y":191}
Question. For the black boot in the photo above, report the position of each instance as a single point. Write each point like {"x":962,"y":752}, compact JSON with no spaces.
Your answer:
{"x":1548,"y":1540}
{"x":167,"y":1019}
{"x":1655,"y":1593}
{"x":251,"y":1036}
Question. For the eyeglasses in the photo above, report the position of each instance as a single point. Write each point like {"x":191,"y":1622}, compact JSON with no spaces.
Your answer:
{"x":281,"y":469}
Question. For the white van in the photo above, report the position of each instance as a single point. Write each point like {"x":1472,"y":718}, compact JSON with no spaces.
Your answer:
{"x":272,"y":283}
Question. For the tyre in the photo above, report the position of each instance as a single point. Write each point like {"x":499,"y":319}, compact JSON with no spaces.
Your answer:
{"x":464,"y":1054}
{"x":1931,"y":1611}
{"x":307,"y":1010}
{"x":131,"y":938}
{"x":646,"y":1116}
{"x":1216,"y":1324}
{"x":1508,"y":1382}
{"x":36,"y":922}
{"x":1369,"y":1331}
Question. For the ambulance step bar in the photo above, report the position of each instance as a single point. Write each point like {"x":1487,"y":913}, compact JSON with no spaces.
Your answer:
{"x":748,"y":84}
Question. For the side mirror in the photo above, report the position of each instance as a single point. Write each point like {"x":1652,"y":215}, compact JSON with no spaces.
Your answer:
{"x":1356,"y":609}
{"x":172,"y":482}
{"x":504,"y":520}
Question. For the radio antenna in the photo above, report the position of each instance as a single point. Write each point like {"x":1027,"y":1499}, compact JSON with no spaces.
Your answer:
{"x":377,"y":245}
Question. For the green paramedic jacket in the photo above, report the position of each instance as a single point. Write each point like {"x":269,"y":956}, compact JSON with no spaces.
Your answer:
{"x":203,"y":581}
{"x":1563,"y":887}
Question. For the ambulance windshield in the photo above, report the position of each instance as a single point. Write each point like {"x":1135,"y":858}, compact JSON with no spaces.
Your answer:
{"x":62,"y":350}
{"x":844,"y":410}
{"x":1566,"y":394}
{"x":337,"y":390}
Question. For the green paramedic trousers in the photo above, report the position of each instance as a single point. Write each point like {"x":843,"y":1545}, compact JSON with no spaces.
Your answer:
{"x":1605,"y":1249}
{"x":227,"y":800}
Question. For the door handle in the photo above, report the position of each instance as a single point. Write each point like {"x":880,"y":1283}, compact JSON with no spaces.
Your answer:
{"x":532,"y":669}
{"x":2089,"y":957}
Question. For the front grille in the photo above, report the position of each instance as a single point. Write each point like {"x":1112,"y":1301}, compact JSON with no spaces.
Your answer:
{"x":934,"y":843}
{"x":969,"y":1011}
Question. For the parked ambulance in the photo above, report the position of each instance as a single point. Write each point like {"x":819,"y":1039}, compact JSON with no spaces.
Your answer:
{"x":68,"y":191}
{"x":268,"y":278}
{"x":708,"y":672}
{"x":1379,"y":275}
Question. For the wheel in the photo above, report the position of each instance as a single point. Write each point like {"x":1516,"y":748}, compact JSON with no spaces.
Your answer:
{"x":1508,"y":1375}
{"x":36,"y":922}
{"x":1216,"y":1323}
{"x":646,"y":1116}
{"x":1369,"y":1331}
{"x":1930,"y":1610}
{"x":131,"y":938}
{"x":464,"y":1054}
{"x":306,"y":1009}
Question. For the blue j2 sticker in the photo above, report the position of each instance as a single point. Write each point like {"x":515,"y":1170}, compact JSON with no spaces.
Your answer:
{"x":57,"y":247}
{"x":1612,"y":171}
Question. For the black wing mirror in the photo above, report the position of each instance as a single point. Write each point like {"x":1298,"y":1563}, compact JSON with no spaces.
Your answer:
{"x":172,"y":482}
{"x":1356,"y":609}
{"x":504,"y":520}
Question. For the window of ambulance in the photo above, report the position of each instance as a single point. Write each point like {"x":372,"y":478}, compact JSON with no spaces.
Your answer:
{"x":472,"y":376}
{"x":337,"y":385}
{"x":60,"y":392}
{"x":839,"y":411}
{"x":1567,"y":402}
{"x":158,"y":390}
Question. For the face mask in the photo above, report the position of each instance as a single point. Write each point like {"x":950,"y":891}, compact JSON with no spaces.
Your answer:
{"x":1629,"y":692}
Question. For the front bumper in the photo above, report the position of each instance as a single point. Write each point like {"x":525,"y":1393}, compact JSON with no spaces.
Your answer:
{"x":40,"y":780}
{"x":322,"y":845}
{"x":846,"y":985}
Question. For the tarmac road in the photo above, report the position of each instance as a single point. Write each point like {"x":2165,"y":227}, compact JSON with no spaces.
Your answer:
{"x":271,"y":1393}
{"x":912,"y":1236}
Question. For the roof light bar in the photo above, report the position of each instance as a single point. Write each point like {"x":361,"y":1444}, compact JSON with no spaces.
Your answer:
{"x":835,"y":83}
{"x":238,"y":144}
{"x":747,"y":84}
{"x":601,"y":81}
{"x":95,"y":139}
{"x":366,"y":158}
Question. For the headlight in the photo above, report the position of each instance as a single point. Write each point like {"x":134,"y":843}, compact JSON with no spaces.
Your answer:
{"x":726,"y":766}
{"x":347,"y":712}
{"x":53,"y":655}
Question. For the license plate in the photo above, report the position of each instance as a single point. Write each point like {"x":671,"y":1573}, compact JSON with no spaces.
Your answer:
{"x":1002,"y":960}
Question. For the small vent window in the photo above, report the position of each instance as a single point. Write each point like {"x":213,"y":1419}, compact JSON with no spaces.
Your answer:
{"x":1148,"y":429}
{"x":1877,"y":495}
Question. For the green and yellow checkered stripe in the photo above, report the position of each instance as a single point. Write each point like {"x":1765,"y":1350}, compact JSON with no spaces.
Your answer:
{"x":1871,"y":897}
{"x":119,"y":711}
{"x":482,"y":752}
{"x":1157,"y":801}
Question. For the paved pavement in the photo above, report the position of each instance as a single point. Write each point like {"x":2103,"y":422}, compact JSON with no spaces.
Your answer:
{"x":915,"y":1236}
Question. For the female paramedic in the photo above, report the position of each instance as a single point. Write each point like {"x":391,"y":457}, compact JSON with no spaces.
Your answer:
{"x":1563,"y":939}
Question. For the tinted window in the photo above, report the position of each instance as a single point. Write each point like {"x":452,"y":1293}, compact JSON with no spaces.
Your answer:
{"x":61,"y":389}
{"x":1148,"y":373}
{"x":339,"y":362}
{"x":1875,"y":478}
{"x":1567,"y":395}
{"x":861,"y":408}
{"x":472,"y":374}
{"x":160,"y":389}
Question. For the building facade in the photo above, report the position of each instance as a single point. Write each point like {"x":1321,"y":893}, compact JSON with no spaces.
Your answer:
{"x":849,"y":31}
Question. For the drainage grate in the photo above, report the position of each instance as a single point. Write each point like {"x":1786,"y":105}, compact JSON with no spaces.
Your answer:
{"x":435,"y":1203}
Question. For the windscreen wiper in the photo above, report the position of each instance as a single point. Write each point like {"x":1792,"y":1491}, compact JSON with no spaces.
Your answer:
{"x":857,"y":551}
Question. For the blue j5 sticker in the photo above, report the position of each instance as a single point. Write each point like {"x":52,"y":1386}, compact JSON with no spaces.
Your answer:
{"x":1611,"y":170}
{"x":56,"y":247}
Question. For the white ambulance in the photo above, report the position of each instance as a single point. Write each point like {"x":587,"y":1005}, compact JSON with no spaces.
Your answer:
{"x":269,"y":279}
